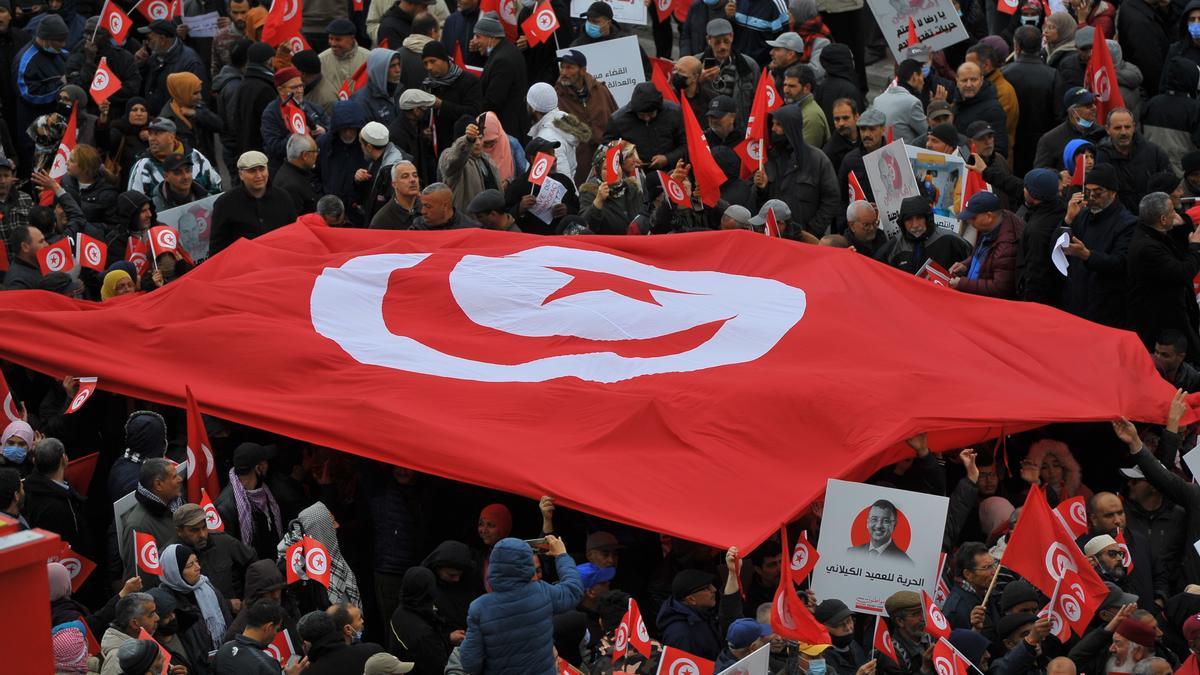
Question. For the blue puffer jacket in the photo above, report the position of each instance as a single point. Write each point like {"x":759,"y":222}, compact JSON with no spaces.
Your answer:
{"x":510,"y":631}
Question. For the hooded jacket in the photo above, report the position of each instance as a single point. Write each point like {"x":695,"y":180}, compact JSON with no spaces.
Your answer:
{"x":503,"y":82}
{"x":1037,"y":278}
{"x":983,"y":106}
{"x":569,"y":131}
{"x":1095,"y":288}
{"x":802,"y":176}
{"x":380,"y":100}
{"x":510,"y":631}
{"x":662,"y":135}
{"x":416,"y":633}
{"x":453,"y":600}
{"x":1129,"y":79}
{"x":840,"y":80}
{"x":129,"y":205}
{"x":909,"y":253}
{"x":1171,"y":120}
{"x":337,"y":162}
{"x":1183,"y":46}
{"x":255,"y":93}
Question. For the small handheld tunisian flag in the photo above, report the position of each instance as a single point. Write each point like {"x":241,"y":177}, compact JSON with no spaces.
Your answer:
{"x":90,"y":252}
{"x":946,"y":659}
{"x":163,"y":239}
{"x":105,"y":82}
{"x":115,"y":21}
{"x":766,"y":101}
{"x":935,"y":622}
{"x":541,"y":24}
{"x":804,"y":558}
{"x":87,"y":385}
{"x":65,"y":147}
{"x":307,"y":558}
{"x":1080,"y":173}
{"x":882,"y":642}
{"x":145,"y":551}
{"x":678,"y":662}
{"x":790,"y":619}
{"x":935,"y":273}
{"x":855,"y":188}
{"x":1044,"y":553}
{"x":1125,"y":549}
{"x":1059,"y":627}
{"x":1101,"y":78}
{"x":281,"y":648}
{"x":353,"y":83}
{"x":56,"y":257}
{"x":78,"y":566}
{"x":674,"y":191}
{"x":660,"y":76}
{"x":709,"y":176}
{"x":1008,"y":6}
{"x":137,"y":251}
{"x":283,"y":24}
{"x":612,"y":163}
{"x":212,"y":517}
{"x":540,"y":167}
{"x":293,"y":117}
{"x":202,"y":474}
{"x":1073,"y":514}
{"x":631,"y":632}
{"x":462,"y":63}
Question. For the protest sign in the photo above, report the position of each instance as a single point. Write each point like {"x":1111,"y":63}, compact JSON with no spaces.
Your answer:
{"x":937,"y":23}
{"x":876,"y":541}
{"x":202,"y":26}
{"x":616,"y":63}
{"x":550,"y":196}
{"x":891,"y":177}
{"x":941,"y":178}
{"x":624,"y":12}
{"x":192,"y":221}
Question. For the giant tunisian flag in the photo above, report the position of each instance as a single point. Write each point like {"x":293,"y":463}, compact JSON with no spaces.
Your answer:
{"x":623,"y":375}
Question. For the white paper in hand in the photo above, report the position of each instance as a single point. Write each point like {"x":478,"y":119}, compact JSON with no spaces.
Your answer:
{"x":758,"y":663}
{"x":550,"y":196}
{"x":1191,"y":459}
{"x":1058,"y":254}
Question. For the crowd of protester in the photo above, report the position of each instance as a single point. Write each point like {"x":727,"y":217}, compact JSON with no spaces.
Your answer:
{"x":425,"y":116}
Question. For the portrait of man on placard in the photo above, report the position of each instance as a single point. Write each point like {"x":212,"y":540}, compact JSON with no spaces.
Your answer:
{"x":881,"y":521}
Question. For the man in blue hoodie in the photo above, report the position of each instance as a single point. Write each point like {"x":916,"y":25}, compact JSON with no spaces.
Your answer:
{"x":510,"y":631}
{"x":380,"y":99}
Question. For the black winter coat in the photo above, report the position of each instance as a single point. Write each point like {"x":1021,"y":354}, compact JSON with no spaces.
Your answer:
{"x":119,"y":60}
{"x":1051,"y":145}
{"x":179,"y":58}
{"x":541,"y":60}
{"x":243,"y":656}
{"x":254,"y":94}
{"x":803,"y":177}
{"x":55,"y":508}
{"x":1037,"y":278}
{"x":330,"y":655}
{"x":395,"y":25}
{"x":1035,"y":84}
{"x":461,"y":97}
{"x":1159,"y":272}
{"x":1145,"y":34}
{"x":840,"y":81}
{"x":98,"y":200}
{"x":502,"y":81}
{"x":298,"y":184}
{"x":983,"y":106}
{"x":236,"y":214}
{"x":1133,"y":172}
{"x":1095,"y":288}
{"x":662,"y":135}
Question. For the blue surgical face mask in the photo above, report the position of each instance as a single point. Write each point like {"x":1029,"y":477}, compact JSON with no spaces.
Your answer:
{"x":15,"y":453}
{"x":358,"y":636}
{"x":925,"y":70}
{"x":1194,"y":30}
{"x":593,"y":30}
{"x":816,"y":667}
{"x":489,"y":50}
{"x":1084,"y":123}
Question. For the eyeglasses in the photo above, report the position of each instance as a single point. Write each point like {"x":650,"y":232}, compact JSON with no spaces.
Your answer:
{"x":1116,"y":555}
{"x":988,"y":568}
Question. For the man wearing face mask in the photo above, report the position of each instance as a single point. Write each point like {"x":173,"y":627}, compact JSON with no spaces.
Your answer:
{"x":1187,"y":44}
{"x":1080,"y":123}
{"x":1101,"y":228}
{"x":599,"y":27}
{"x":412,"y":130}
{"x":685,"y":82}
{"x":246,"y":505}
{"x":799,"y":174}
{"x":845,"y":655}
{"x":86,"y":56}
{"x":41,"y":68}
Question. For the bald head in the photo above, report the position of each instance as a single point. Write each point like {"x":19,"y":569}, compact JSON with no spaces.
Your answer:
{"x":1106,"y":513}
{"x":1060,"y":666}
{"x":969,"y":79}
{"x":688,"y":65}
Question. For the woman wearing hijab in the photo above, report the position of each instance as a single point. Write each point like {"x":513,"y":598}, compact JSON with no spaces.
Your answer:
{"x":317,"y":522}
{"x":195,"y":124}
{"x":506,"y":155}
{"x":18,"y":441}
{"x":198,"y":598}
{"x":417,"y":632}
{"x":608,"y":208}
{"x":116,"y":282}
{"x":1059,"y":35}
{"x":495,"y":523}
{"x":127,"y":136}
{"x":466,"y":166}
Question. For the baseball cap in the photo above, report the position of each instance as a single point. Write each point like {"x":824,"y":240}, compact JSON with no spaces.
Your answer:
{"x":251,"y":159}
{"x":1078,"y":96}
{"x":374,"y":133}
{"x":6,"y":163}
{"x":790,"y":41}
{"x":485,"y":201}
{"x":743,"y":632}
{"x":780,"y":207}
{"x":597,"y":10}
{"x":386,"y":664}
{"x":603,"y":541}
{"x":161,"y":26}
{"x":187,"y":515}
{"x":574,"y":57}
{"x":687,"y":582}
{"x":175,"y":162}
{"x":831,"y":612}
{"x":161,"y":124}
{"x":937,"y":110}
{"x":739,"y":214}
{"x":718,"y":27}
{"x":918,"y":53}
{"x":980,"y":202}
{"x":721,"y":105}
{"x":592,"y":575}
{"x":247,"y":455}
{"x":978,"y":129}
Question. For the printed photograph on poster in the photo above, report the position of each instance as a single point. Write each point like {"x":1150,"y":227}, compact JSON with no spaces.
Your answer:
{"x":192,"y":221}
{"x":876,"y":541}
{"x":937,"y":22}
{"x":891,"y":177}
{"x":943,"y":179}
{"x":616,"y":63}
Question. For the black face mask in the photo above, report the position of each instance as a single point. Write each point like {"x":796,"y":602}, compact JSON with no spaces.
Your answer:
{"x":64,"y":108}
{"x":780,"y":141}
{"x":168,"y":629}
{"x":679,"y":81}
{"x":842,"y":641}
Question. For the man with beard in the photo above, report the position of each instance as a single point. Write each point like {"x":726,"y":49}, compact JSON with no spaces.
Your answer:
{"x":1170,"y":350}
{"x":920,"y":239}
{"x":1148,"y":579}
{"x":722,"y":130}
{"x":906,"y":624}
{"x":230,"y":30}
{"x":587,"y":98}
{"x":1101,"y":228}
{"x":871,"y":126}
{"x":845,"y":127}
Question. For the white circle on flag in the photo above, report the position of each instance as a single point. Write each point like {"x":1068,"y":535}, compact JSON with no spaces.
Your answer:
{"x":1101,"y":85}
{"x":770,"y":96}
{"x":59,"y":167}
{"x":614,"y":165}
{"x":621,"y":638}
{"x":939,"y":619}
{"x":315,"y":562}
{"x":1059,"y":561}
{"x":1078,"y":513}
{"x":296,"y":562}
{"x":545,"y":19}
{"x":211,"y":517}
{"x":91,"y":253}
{"x":1012,"y":4}
{"x":781,"y":609}
{"x":157,"y":9}
{"x":295,"y":44}
{"x":100,"y":81}
{"x":72,"y":564}
{"x":754,"y":314}
{"x":800,"y":557}
{"x":298,"y":123}
{"x":675,"y":189}
{"x":167,"y":240}
{"x":80,"y":399}
{"x":887,"y":643}
{"x":290,"y":8}
{"x":273,"y":650}
{"x":139,"y":262}
{"x":664,"y":5}
{"x":115,"y":23}
{"x":508,"y":12}
{"x":1070,"y":607}
{"x":684,"y":666}
{"x":642,"y":633}
{"x":541,"y":168}
{"x":10,"y":408}
{"x":56,"y":260}
{"x":754,"y":149}
{"x":148,"y":554}
{"x":943,"y":666}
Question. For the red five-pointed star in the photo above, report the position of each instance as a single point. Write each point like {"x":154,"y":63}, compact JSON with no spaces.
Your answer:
{"x":583,"y":281}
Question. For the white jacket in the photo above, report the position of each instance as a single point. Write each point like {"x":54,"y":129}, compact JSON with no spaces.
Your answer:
{"x":568,"y":130}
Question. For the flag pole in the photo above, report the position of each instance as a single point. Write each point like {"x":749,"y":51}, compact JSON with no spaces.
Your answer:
{"x":101,"y":18}
{"x":137,"y":570}
{"x":154,"y":256}
{"x":988,"y":594}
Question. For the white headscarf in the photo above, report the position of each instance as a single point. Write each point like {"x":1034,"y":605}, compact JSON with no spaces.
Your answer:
{"x":206,"y":596}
